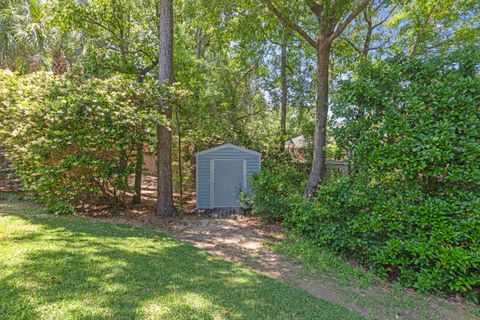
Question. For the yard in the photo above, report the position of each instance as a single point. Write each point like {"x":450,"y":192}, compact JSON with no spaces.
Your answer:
{"x":77,"y":268}
{"x":229,"y":159}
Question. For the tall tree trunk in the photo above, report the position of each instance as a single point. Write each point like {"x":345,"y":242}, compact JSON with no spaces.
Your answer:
{"x":318,"y":170}
{"x":199,"y":43}
{"x":165,"y":205}
{"x":329,"y":28}
{"x":180,"y":163}
{"x":283,"y":116}
{"x":137,"y":197}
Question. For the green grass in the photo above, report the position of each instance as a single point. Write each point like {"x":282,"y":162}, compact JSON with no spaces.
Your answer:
{"x":326,"y":262}
{"x":12,"y":196}
{"x":75,"y":268}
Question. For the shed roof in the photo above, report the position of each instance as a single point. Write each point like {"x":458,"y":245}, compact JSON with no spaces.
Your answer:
{"x":228,"y":145}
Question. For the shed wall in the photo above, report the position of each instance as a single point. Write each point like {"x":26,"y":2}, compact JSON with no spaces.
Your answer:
{"x":203,"y":171}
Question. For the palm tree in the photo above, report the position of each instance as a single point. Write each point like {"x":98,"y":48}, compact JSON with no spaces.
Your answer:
{"x":56,"y":50}
{"x":26,"y":42}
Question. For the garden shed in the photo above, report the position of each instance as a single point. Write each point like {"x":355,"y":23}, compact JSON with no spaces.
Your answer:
{"x":222,"y":173}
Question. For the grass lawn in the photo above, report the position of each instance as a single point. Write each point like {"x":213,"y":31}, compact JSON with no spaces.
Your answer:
{"x":75,"y":268}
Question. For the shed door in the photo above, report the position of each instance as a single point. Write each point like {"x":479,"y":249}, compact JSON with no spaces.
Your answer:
{"x":228,"y":181}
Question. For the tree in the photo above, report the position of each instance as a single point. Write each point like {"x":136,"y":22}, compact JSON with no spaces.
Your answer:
{"x":332,"y":17}
{"x":27,"y":40}
{"x":283,"y":80}
{"x":426,"y":26}
{"x":283,"y":44}
{"x":369,"y":35}
{"x":165,"y":205}
{"x":116,"y":37}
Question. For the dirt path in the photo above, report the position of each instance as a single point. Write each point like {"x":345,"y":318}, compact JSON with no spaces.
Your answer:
{"x":240,"y":240}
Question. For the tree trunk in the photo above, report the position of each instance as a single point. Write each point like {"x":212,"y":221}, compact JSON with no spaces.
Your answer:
{"x":165,"y":205}
{"x":60,"y":63}
{"x":180,"y":163}
{"x":137,"y":197}
{"x":318,"y":170}
{"x":368,"y":39}
{"x":283,"y":78}
{"x":199,"y":43}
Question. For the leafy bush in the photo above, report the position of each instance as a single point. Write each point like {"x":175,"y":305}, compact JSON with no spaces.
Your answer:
{"x":275,"y":189}
{"x":71,"y":139}
{"x":428,"y":242}
{"x":319,"y":258}
{"x":411,"y":207}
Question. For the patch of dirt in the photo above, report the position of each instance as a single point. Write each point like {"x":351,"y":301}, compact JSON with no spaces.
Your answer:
{"x":238,"y":239}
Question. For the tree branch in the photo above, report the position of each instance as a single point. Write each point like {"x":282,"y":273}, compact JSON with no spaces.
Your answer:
{"x":347,"y":21}
{"x":142,"y":51}
{"x":419,"y":36}
{"x":289,"y":24}
{"x":147,"y":69}
{"x":383,"y":44}
{"x":351,"y":44}
{"x":316,"y":8}
{"x":378,"y":7}
{"x":386,"y":18}
{"x":289,"y":68}
{"x":101,"y":25}
{"x":274,"y":42}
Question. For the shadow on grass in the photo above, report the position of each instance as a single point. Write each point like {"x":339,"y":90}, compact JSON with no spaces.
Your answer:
{"x":82,"y":269}
{"x":14,"y":301}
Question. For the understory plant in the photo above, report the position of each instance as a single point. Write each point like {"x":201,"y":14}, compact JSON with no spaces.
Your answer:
{"x":411,"y":206}
{"x":71,"y":139}
{"x":275,"y":190}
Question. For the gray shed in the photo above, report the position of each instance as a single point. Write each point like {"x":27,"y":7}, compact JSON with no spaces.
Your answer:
{"x":222,"y":172}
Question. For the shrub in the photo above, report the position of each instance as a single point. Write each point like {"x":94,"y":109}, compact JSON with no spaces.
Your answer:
{"x":428,"y":242}
{"x":411,"y":207}
{"x":275,"y":189}
{"x":70,"y":139}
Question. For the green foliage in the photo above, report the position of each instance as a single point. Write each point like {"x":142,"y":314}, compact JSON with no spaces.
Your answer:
{"x":275,"y":190}
{"x":410,"y":129}
{"x":71,"y":139}
{"x":410,"y":209}
{"x":116,"y":36}
{"x":365,"y":288}
{"x":426,"y":242}
{"x":30,"y":41}
{"x":428,"y":26}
